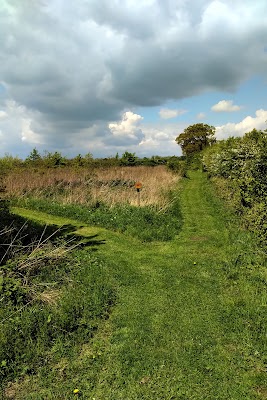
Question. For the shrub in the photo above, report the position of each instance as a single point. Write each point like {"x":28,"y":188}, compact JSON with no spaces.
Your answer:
{"x":242,"y":162}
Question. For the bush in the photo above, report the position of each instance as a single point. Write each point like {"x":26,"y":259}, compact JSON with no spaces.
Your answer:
{"x":242,"y":163}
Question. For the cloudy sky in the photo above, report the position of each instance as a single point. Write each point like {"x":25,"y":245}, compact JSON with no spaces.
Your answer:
{"x":105,"y":76}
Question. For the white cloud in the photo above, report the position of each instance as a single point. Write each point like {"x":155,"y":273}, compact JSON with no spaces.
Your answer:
{"x":157,"y":135}
{"x":168,"y":113}
{"x":3,"y":114}
{"x":246,"y":125}
{"x":16,"y":127}
{"x":225,"y":106}
{"x":128,"y":128}
{"x":150,"y":139}
{"x":201,"y":115}
{"x":160,"y":140}
{"x":27,"y":134}
{"x":77,"y":65}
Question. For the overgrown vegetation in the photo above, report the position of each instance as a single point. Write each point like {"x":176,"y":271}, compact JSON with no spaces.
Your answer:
{"x":239,"y":168}
{"x":89,"y":186}
{"x":188,"y":311}
{"x":53,"y":295}
{"x":104,"y":197}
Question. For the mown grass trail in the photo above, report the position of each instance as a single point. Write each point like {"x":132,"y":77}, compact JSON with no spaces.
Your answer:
{"x":190,"y":319}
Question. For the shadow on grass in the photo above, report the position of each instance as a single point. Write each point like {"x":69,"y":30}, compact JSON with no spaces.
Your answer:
{"x":20,"y":235}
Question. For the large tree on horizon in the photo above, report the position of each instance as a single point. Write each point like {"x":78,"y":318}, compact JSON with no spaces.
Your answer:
{"x":195,"y":138}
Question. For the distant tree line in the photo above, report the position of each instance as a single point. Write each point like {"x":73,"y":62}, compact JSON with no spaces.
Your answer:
{"x":193,"y":140}
{"x":56,"y":159}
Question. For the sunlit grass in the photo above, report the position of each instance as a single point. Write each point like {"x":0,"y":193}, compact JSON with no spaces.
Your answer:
{"x":189,"y":320}
{"x":113,"y":185}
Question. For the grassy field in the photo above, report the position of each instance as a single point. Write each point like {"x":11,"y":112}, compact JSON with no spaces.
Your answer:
{"x":88,"y":186}
{"x":183,"y":319}
{"x":103,"y":197}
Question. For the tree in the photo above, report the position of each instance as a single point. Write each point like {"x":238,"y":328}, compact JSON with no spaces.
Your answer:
{"x":128,"y":159}
{"x":34,"y":157}
{"x":78,"y":161}
{"x":54,"y":159}
{"x":195,"y":138}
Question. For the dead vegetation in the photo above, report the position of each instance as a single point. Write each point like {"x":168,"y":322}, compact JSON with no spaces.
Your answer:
{"x":113,"y":185}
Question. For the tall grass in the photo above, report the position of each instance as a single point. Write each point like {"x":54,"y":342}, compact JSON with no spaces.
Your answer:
{"x":74,"y":295}
{"x":114,"y":185}
{"x":147,"y":223}
{"x":53,"y":295}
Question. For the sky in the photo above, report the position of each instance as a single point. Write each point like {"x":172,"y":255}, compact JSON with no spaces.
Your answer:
{"x":109,"y":76}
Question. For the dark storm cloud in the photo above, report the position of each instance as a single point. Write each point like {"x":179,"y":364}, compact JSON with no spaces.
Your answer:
{"x":75,"y":65}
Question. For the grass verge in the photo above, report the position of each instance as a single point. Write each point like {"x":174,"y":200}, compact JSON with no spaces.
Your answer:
{"x":54,"y":294}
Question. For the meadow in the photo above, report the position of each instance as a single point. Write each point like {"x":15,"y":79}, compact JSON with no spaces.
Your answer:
{"x":88,"y":186}
{"x":102,"y":299}
{"x":103,"y":197}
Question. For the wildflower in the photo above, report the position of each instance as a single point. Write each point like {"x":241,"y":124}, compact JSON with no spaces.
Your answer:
{"x":76,"y":391}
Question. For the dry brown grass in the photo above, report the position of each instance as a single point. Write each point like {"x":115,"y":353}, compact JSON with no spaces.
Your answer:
{"x":111,"y":185}
{"x":49,"y":296}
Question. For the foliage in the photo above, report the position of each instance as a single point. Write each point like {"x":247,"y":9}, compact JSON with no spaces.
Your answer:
{"x":49,"y":159}
{"x":34,"y":157}
{"x":128,"y":159}
{"x":178,"y":166}
{"x":9,"y":162}
{"x":242,"y":162}
{"x":81,"y":161}
{"x":56,"y":159}
{"x":195,"y":138}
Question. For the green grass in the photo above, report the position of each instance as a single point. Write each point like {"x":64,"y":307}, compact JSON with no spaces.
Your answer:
{"x":35,"y":331}
{"x":147,"y":223}
{"x":189,"y":321}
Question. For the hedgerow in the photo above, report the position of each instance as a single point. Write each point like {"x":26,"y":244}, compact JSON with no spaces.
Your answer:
{"x":241,"y":163}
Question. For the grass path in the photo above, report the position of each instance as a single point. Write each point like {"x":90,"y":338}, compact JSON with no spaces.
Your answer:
{"x":186,"y":324}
